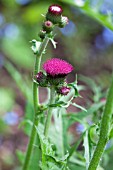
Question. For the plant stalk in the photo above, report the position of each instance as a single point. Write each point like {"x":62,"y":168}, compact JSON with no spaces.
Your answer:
{"x":36,"y":105}
{"x":104,"y":130}
{"x":49,"y":115}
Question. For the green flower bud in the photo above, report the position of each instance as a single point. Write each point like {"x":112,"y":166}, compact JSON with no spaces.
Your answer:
{"x":54,"y":14}
{"x":48,"y":26}
{"x":64,"y":22}
{"x":42,"y":34}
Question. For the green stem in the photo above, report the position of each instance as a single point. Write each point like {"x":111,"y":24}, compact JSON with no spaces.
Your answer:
{"x":48,"y":120}
{"x":104,"y":130}
{"x":36,"y":105}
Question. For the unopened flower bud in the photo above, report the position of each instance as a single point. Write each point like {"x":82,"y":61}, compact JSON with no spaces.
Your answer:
{"x":64,"y":22}
{"x":41,"y":79}
{"x":48,"y":26}
{"x":42,"y":34}
{"x":39,"y":76}
{"x":54,"y":13}
{"x":64,"y":90}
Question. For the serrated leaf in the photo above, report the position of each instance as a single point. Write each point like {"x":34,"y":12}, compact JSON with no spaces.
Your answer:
{"x":58,"y":132}
{"x":48,"y":154}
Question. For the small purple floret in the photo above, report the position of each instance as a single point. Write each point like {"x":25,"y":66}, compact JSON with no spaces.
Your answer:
{"x":39,"y":76}
{"x":64,"y":90}
{"x":57,"y":67}
{"x":48,"y":24}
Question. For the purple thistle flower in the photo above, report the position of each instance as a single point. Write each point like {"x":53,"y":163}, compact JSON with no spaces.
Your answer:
{"x":57,"y":68}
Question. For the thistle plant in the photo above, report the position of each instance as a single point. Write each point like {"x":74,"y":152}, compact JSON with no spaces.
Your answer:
{"x":53,"y":18}
{"x":62,"y":94}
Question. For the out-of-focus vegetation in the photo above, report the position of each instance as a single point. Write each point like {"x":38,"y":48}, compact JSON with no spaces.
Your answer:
{"x":86,"y":42}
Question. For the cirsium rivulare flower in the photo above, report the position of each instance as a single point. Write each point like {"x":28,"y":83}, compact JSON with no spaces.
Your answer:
{"x":57,"y":67}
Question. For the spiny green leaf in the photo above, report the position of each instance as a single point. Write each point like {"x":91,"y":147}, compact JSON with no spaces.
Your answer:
{"x":48,"y":154}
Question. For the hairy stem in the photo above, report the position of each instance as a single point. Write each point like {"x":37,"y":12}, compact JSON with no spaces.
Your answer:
{"x":36,"y":106}
{"x":48,"y":120}
{"x":104,"y":130}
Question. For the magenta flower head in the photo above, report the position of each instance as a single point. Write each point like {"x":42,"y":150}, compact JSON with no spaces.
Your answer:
{"x":57,"y":68}
{"x":54,"y":14}
{"x":64,"y":90}
{"x":55,"y":10}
